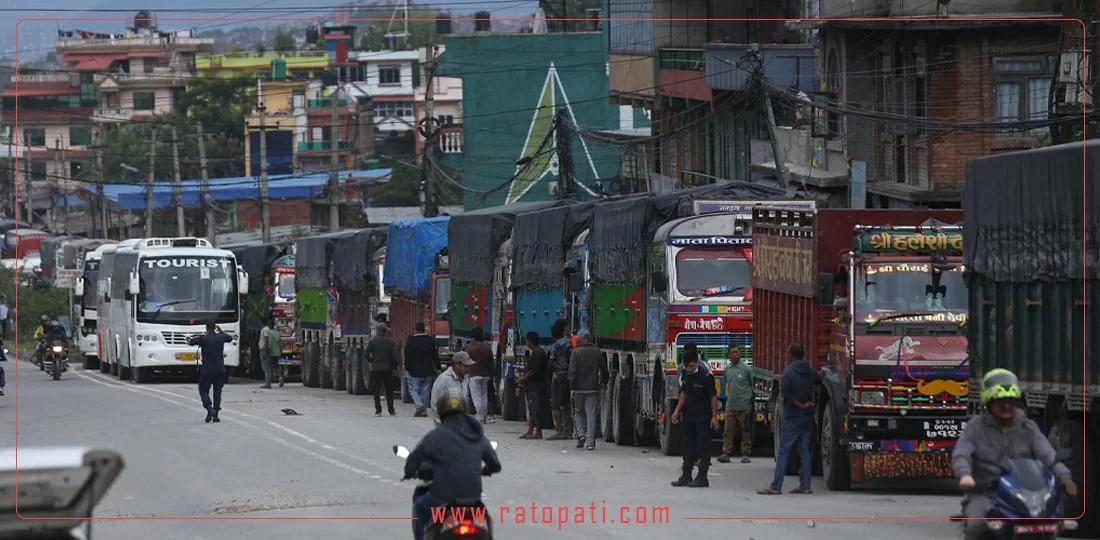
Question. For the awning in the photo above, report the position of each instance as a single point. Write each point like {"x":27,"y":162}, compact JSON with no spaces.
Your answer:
{"x":98,"y":63}
{"x":26,"y":90}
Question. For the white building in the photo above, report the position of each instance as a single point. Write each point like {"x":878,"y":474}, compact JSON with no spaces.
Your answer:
{"x":447,"y":106}
{"x":391,"y":78}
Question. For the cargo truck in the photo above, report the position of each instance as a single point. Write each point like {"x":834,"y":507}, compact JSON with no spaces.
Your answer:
{"x":256,"y":304}
{"x":416,"y":278}
{"x":1034,"y":302}
{"x":316,"y":307}
{"x":877,"y":300}
{"x":627,"y":264}
{"x":354,"y":279}
{"x":279,"y":287}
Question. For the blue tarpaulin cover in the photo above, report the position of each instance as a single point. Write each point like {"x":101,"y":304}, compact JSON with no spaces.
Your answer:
{"x":411,"y":248}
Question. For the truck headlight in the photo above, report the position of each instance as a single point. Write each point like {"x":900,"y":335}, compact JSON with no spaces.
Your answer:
{"x":872,"y":398}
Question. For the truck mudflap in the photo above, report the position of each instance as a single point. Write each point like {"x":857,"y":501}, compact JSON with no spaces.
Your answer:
{"x":889,"y":459}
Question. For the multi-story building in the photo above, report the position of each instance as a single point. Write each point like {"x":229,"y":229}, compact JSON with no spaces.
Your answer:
{"x":390,"y":78}
{"x":306,"y":65}
{"x":446,"y":105}
{"x":948,"y":68}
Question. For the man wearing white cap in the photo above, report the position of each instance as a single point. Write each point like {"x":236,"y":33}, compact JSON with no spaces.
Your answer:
{"x":454,"y":379}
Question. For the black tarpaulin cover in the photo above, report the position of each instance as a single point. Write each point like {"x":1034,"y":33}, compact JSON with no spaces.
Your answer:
{"x":255,"y":260}
{"x":474,"y":239}
{"x":314,"y":260}
{"x":1024,"y":214}
{"x":621,"y":230}
{"x":352,"y":269}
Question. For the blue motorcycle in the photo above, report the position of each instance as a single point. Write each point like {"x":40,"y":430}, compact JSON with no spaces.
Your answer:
{"x":1026,"y":502}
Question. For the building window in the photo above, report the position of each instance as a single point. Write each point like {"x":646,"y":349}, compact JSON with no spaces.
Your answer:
{"x":38,"y":170}
{"x":34,"y":136}
{"x":389,"y":74}
{"x":400,"y":109}
{"x":80,"y":136}
{"x":1021,"y":86}
{"x":446,"y":120}
{"x":144,"y":101}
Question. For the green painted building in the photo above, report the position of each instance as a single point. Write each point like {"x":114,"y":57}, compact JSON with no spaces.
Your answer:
{"x":512,"y":86}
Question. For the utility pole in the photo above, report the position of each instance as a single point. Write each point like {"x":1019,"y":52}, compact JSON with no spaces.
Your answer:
{"x":100,"y":194}
{"x":66,"y":173}
{"x":28,"y":201}
{"x":207,"y":203}
{"x":563,"y":139}
{"x":51,"y":182}
{"x":431,"y":134}
{"x":265,"y":188}
{"x":178,"y":186}
{"x":334,"y":163}
{"x":150,"y":208}
{"x":757,"y":69}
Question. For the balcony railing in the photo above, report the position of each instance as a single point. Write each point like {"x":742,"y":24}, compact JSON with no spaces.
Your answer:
{"x":450,"y":140}
{"x":682,"y":59}
{"x":325,"y":103}
{"x":134,"y":41}
{"x":41,"y":77}
{"x":313,"y":146}
{"x":167,"y":78}
{"x":784,"y":65}
{"x":113,"y":114}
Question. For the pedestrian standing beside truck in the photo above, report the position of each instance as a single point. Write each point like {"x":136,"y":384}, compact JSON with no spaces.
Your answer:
{"x":421,"y":364}
{"x":586,"y":370}
{"x":739,"y":399}
{"x":697,"y":411}
{"x":560,"y":352}
{"x":534,"y":384}
{"x":271,"y":348}
{"x":797,"y":392}
{"x":480,"y":374}
{"x":382,"y":357}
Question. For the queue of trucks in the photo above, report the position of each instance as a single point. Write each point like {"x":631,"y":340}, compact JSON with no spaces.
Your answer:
{"x":900,"y":310}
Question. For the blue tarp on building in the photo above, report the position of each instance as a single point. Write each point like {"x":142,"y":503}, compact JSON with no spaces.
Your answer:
{"x":411,"y":247}
{"x":299,"y":186}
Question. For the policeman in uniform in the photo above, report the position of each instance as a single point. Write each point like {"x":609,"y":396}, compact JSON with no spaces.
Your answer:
{"x":697,"y":410}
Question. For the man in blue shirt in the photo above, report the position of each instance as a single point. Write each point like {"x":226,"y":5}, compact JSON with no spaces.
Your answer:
{"x":697,"y":410}
{"x":212,"y":371}
{"x":796,"y":391}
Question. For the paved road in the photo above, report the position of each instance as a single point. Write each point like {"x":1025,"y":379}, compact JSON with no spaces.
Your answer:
{"x":335,"y":462}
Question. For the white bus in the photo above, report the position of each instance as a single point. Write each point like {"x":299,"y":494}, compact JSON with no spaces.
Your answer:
{"x":87,"y":287}
{"x":163,"y":291}
{"x":102,"y":304}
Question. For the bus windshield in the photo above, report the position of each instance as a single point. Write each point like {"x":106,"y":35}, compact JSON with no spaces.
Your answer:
{"x":91,"y":285}
{"x":698,"y":270}
{"x":187,"y":287}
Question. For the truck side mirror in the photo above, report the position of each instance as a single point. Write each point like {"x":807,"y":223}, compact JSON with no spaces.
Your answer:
{"x":576,"y":283}
{"x":825,"y":289}
{"x":135,"y":285}
{"x":242,"y":282}
{"x":659,"y":280}
{"x":79,"y":292}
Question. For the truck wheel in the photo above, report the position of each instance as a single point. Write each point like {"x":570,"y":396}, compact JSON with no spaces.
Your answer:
{"x":1068,"y":434}
{"x":340,"y":372}
{"x":606,"y":410}
{"x":349,"y":371}
{"x":834,"y":459}
{"x":623,"y":417}
{"x":255,"y":364}
{"x":104,"y":367}
{"x":358,"y":377}
{"x":510,"y":400}
{"x":777,"y":424}
{"x":671,"y":435}
{"x":325,"y":363}
{"x":1093,"y":482}
{"x":311,"y":369}
{"x":90,"y":362}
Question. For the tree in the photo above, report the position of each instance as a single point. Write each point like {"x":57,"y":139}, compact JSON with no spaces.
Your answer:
{"x":284,"y":42}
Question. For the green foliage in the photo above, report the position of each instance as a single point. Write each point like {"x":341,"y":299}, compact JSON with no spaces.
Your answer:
{"x":130,"y":144}
{"x":36,"y":298}
{"x":403,"y":189}
{"x":284,"y":42}
{"x":221,"y":104}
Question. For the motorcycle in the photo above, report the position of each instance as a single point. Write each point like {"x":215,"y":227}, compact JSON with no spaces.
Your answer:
{"x":1026,"y":503}
{"x":57,"y":358}
{"x":474,"y":521}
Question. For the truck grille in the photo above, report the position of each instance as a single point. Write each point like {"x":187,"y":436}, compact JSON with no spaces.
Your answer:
{"x":906,"y":395}
{"x":715,"y":346}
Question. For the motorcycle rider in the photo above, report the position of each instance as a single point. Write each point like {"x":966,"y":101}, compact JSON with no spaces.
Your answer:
{"x":39,"y":334}
{"x":455,"y":451}
{"x":1002,"y":432}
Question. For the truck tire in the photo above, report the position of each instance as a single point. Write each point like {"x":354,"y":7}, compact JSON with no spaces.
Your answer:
{"x":606,"y":410}
{"x":325,"y":366}
{"x":1068,"y":434}
{"x":358,"y":377}
{"x":835,"y":466}
{"x":777,"y":427}
{"x":670,"y":435}
{"x":104,"y":367}
{"x":90,"y":362}
{"x":349,"y":373}
{"x":1093,"y":483}
{"x":311,"y":368}
{"x":255,"y":364}
{"x":623,"y":416}
{"x":510,"y":400}
{"x":340,"y":371}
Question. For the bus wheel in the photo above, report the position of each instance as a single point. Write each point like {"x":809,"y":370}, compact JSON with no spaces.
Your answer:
{"x":142,"y":375}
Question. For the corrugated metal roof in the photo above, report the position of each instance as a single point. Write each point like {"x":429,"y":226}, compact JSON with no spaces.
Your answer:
{"x":98,"y":62}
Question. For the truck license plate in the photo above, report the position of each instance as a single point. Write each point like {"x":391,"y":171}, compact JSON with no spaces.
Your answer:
{"x":185,"y":357}
{"x":943,"y":428}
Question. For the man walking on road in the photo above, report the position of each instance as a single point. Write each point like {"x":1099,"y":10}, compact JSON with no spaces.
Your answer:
{"x":739,"y":399}
{"x":212,"y":372}
{"x":797,"y":392}
{"x":382,"y":357}
{"x":421,"y":364}
{"x":454,"y":379}
{"x":560,"y":353}
{"x":697,"y":410}
{"x":480,"y":374}
{"x":586,"y":370}
{"x":533,"y":382}
{"x":271,"y":348}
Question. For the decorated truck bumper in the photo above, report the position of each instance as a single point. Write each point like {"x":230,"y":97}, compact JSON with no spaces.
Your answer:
{"x":889,"y":447}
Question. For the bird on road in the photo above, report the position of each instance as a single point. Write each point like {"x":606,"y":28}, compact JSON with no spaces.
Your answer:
{"x":291,"y":412}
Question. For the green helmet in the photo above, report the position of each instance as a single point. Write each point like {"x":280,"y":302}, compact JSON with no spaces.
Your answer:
{"x":450,"y":404}
{"x":1000,"y":384}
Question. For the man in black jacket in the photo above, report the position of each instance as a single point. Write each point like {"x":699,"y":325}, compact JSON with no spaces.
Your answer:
{"x":534,"y":382}
{"x":421,"y":364}
{"x":212,"y":372}
{"x":797,"y":392}
{"x":382,"y":358}
{"x":586,"y":369}
{"x":455,"y":452}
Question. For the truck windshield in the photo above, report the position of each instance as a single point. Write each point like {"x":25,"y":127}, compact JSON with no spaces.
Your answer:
{"x":442,"y":297}
{"x":179,"y":288}
{"x":91,"y":284}
{"x":285,"y":287}
{"x":700,"y":269}
{"x":885,"y":287}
